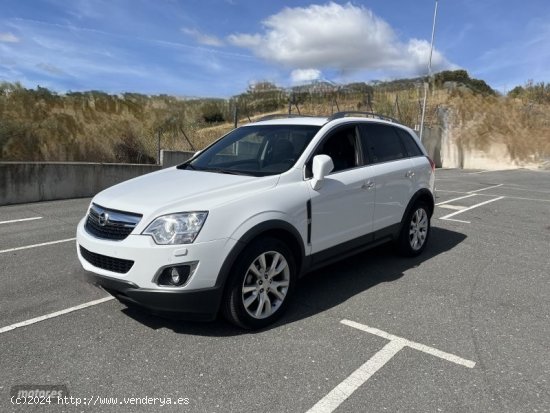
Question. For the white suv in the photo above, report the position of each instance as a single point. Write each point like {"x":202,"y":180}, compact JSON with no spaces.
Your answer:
{"x":233,"y":228}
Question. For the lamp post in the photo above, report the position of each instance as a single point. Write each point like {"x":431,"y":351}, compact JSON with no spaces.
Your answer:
{"x":426,"y":84}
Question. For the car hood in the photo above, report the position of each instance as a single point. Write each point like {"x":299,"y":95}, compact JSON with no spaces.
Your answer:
{"x":176,"y":190}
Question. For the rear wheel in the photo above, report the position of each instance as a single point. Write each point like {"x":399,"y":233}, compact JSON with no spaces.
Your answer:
{"x":415,"y":231}
{"x":260,"y":285}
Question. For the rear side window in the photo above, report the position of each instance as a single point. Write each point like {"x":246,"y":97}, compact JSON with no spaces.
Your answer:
{"x":382,"y":143}
{"x":409,"y":142}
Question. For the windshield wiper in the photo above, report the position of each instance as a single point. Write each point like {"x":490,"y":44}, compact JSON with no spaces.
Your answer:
{"x":186,"y":165}
{"x":225,"y":171}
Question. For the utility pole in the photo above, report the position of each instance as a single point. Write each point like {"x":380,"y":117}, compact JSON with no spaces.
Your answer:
{"x":426,"y":84}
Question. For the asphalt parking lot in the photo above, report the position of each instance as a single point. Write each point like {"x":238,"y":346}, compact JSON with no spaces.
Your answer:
{"x":463,"y":328}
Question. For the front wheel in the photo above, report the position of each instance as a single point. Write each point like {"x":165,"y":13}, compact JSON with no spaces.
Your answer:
{"x":415,"y":230}
{"x":260,"y":285}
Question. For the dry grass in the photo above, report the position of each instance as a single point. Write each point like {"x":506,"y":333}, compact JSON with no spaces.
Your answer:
{"x":478,"y":122}
{"x":36,"y":125}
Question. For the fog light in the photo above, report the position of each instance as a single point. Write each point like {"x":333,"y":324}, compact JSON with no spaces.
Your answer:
{"x":174,"y":276}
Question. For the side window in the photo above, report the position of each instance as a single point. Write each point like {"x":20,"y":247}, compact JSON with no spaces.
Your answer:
{"x":382,"y":143}
{"x":409,"y":142}
{"x":341,"y":146}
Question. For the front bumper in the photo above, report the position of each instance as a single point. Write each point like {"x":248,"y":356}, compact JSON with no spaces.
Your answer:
{"x":198,"y":298}
{"x":201,"y":305}
{"x":149,"y":258}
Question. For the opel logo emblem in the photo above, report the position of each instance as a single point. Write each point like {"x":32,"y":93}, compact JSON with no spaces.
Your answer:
{"x":103,"y":219}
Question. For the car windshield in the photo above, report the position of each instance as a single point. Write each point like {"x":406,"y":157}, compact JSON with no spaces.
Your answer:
{"x":258,"y":150}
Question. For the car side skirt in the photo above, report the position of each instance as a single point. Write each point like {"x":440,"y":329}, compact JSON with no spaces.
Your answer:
{"x":352,"y":247}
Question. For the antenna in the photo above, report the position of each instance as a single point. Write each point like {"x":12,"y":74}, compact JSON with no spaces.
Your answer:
{"x":426,"y":84}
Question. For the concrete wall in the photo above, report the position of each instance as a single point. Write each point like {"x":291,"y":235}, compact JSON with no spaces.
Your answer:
{"x":44,"y":181}
{"x":173,"y":158}
{"x":431,"y":139}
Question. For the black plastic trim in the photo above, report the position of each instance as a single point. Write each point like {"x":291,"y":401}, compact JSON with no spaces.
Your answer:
{"x":415,"y":197}
{"x":353,"y":247}
{"x":308,"y":211}
{"x":200,"y":304}
{"x":249,"y":236}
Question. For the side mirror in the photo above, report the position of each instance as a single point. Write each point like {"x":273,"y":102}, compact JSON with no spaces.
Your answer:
{"x":322,"y":166}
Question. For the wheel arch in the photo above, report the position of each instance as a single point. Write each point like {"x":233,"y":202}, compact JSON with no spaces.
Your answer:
{"x":424,"y":195}
{"x":275,"y":228}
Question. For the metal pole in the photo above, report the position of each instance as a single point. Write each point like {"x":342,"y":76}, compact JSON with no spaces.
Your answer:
{"x":158,"y":147}
{"x":235,"y":115}
{"x":426,"y":84}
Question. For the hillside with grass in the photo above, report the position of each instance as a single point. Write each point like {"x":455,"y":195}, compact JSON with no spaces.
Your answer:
{"x":41,"y":125}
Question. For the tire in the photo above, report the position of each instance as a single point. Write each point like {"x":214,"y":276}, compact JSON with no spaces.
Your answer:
{"x":257,"y":292}
{"x":415,"y":230}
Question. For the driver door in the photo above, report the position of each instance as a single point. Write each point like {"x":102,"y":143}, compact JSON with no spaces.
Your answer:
{"x":342,"y":209}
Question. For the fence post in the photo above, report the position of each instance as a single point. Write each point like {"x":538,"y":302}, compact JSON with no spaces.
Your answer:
{"x":158,"y":146}
{"x":290,"y":99}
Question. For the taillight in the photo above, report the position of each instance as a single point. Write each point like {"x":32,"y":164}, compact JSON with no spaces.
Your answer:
{"x":432,"y":163}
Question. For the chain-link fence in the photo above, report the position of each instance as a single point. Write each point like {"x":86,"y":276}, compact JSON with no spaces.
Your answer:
{"x":38,"y":125}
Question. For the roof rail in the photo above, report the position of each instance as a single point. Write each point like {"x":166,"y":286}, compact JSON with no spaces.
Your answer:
{"x":282,"y":116}
{"x":345,"y":114}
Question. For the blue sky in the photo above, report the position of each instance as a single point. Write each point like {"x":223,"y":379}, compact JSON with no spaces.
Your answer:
{"x":217,"y":48}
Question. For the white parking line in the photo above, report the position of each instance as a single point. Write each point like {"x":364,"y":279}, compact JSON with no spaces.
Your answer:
{"x":56,"y":314}
{"x":37,"y":245}
{"x":505,"y":196}
{"x":19,"y":220}
{"x":342,"y":391}
{"x":472,"y":207}
{"x":454,"y":199}
{"x":484,"y":189}
{"x":455,"y":207}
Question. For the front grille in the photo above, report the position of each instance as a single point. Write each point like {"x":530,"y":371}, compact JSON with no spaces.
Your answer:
{"x":107,"y":263}
{"x":110,"y":224}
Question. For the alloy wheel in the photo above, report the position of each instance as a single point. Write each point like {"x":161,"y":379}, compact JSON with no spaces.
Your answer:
{"x":265,"y":284}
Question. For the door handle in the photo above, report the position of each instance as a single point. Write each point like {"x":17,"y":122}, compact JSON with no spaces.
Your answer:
{"x":368,"y":185}
{"x":409,"y":174}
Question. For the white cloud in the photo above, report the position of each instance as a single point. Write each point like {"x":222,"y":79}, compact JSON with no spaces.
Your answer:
{"x":8,"y":38}
{"x":202,"y":38}
{"x":342,"y":37}
{"x":304,"y":75}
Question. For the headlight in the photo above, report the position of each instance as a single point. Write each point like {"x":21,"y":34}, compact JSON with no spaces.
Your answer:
{"x":176,"y":228}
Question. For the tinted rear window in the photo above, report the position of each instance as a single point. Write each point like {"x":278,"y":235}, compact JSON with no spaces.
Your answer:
{"x":409,"y":142}
{"x":382,"y":142}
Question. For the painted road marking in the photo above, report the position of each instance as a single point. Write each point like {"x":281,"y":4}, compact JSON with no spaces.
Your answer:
{"x":19,"y":220}
{"x":345,"y":389}
{"x":340,"y":393}
{"x":37,"y":245}
{"x":56,"y":314}
{"x":504,"y":196}
{"x":484,"y":189}
{"x":471,"y":207}
{"x":455,"y":207}
{"x":454,"y":199}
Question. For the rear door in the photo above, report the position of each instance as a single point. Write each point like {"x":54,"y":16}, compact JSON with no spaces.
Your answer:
{"x":420,"y":164}
{"x":392,"y":173}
